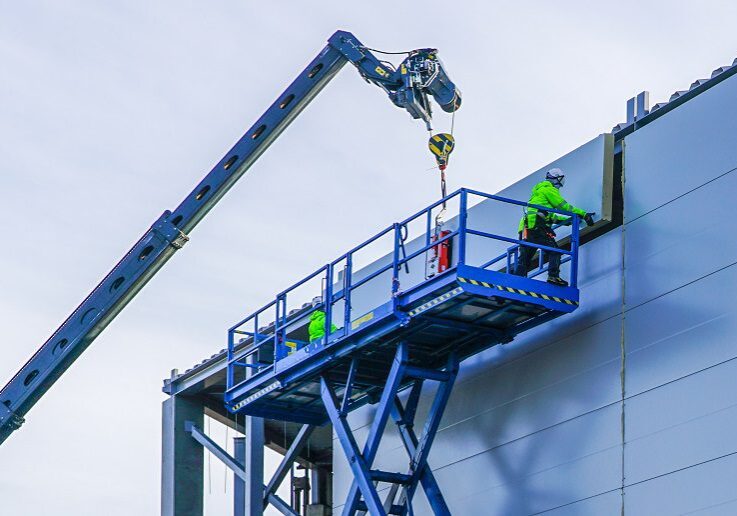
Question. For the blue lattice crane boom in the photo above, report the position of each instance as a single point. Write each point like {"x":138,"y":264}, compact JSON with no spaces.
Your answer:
{"x":409,"y":86}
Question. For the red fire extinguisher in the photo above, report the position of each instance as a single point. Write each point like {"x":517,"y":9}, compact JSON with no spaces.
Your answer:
{"x":439,"y":257}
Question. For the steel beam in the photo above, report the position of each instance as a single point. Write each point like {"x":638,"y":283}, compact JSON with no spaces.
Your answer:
{"x":234,"y":465}
{"x":216,"y":450}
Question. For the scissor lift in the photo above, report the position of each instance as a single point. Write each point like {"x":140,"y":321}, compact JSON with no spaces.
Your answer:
{"x":413,"y":336}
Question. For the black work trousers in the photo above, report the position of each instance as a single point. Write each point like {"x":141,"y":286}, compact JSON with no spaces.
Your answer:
{"x":538,"y":235}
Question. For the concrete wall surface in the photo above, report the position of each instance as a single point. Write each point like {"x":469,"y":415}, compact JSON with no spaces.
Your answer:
{"x":629,"y":404}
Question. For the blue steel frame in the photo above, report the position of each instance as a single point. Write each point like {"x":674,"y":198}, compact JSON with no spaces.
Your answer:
{"x":275,"y":336}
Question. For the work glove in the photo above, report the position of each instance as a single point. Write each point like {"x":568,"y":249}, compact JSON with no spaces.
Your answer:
{"x":589,"y":218}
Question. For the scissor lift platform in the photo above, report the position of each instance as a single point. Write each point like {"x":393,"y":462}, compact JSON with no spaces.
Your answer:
{"x":462,"y":312}
{"x":410,"y":337}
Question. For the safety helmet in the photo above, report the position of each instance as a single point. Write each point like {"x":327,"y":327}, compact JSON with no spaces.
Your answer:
{"x":556,"y":177}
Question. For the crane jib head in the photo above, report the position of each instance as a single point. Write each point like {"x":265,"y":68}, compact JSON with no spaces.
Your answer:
{"x":422,"y":75}
{"x":434,"y":78}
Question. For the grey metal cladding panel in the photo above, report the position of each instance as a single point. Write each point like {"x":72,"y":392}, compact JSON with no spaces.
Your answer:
{"x":680,"y":242}
{"x":718,"y":509}
{"x":553,"y":385}
{"x":545,"y":387}
{"x":543,"y":471}
{"x":607,"y":504}
{"x":681,"y":150}
{"x":683,"y":423}
{"x":600,"y":283}
{"x":587,"y":169}
{"x":588,"y":172}
{"x":708,"y":487}
{"x":682,"y":332}
{"x":556,"y":371}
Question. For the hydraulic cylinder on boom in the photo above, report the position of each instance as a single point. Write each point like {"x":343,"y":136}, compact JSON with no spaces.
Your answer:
{"x":419,"y":76}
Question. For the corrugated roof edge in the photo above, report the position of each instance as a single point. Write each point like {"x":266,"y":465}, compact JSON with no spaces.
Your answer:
{"x":676,"y":99}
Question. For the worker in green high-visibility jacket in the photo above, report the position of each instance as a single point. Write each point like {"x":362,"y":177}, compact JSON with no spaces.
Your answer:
{"x":316,"y":328}
{"x":536,"y":226}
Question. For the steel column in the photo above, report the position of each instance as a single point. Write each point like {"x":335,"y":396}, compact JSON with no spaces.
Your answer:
{"x":182,"y":465}
{"x":255,"y":466}
{"x":239,"y":486}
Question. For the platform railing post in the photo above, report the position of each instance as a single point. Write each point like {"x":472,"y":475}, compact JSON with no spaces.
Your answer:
{"x":279,"y":325}
{"x":328,"y":300}
{"x":428,"y":228}
{"x":347,"y":292}
{"x":574,"y":252}
{"x":395,"y":263}
{"x":462,"y":223}
{"x":229,"y":369}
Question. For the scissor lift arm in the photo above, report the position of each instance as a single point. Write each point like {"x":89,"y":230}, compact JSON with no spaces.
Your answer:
{"x":420,"y":75}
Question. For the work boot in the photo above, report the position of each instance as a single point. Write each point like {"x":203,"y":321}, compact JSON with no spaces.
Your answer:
{"x":557,"y":281}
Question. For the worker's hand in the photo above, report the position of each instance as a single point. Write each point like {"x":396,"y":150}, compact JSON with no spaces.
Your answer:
{"x":566,"y":222}
{"x":589,"y":218}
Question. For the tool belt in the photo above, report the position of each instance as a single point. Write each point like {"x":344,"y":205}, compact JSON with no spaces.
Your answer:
{"x":541,"y":224}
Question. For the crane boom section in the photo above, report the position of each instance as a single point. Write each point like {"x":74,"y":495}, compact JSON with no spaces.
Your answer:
{"x":170,"y":231}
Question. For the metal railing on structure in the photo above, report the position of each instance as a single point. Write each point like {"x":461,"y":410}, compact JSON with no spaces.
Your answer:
{"x":260,"y":347}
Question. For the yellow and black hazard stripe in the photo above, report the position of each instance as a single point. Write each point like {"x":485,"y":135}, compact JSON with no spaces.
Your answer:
{"x":435,"y":302}
{"x":536,"y":295}
{"x":441,"y":145}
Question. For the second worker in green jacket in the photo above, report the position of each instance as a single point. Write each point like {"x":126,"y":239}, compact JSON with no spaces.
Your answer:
{"x":536,"y":226}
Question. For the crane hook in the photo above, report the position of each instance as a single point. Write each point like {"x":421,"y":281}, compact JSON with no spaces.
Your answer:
{"x":441,"y":145}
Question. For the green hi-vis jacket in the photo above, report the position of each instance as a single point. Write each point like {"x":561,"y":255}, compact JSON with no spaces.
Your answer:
{"x":547,"y":195}
{"x":316,"y":329}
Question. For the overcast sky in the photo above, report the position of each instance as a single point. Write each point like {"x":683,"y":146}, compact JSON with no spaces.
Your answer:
{"x":111,"y":112}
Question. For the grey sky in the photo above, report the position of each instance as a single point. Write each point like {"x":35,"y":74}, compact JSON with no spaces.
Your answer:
{"x":110,"y":112}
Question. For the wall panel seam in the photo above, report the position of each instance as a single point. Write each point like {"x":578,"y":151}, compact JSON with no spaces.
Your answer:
{"x":720,"y":176}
